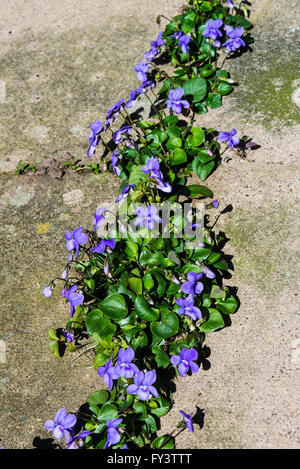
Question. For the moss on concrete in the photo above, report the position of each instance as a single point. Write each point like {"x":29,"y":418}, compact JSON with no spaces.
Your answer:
{"x":266,"y":92}
{"x":263,"y":241}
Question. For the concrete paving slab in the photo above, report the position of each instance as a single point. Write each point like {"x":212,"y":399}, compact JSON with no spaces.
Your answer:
{"x":61,"y":66}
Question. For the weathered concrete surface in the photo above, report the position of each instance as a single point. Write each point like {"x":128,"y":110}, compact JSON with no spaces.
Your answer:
{"x":63,"y":63}
{"x":249,"y":394}
{"x":35,"y":213}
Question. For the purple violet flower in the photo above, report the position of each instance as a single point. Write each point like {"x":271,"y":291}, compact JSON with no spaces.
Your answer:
{"x":68,"y":335}
{"x":147,"y":216}
{"x":143,"y":385}
{"x":91,"y":150}
{"x":195,"y":225}
{"x":141,"y":70}
{"x":212,"y":30}
{"x":125,"y":192}
{"x":159,"y":41}
{"x":152,"y":53}
{"x":229,"y":138}
{"x":47,"y":291}
{"x":94,"y":136}
{"x":114,"y":162}
{"x":163,"y":186}
{"x":187,"y":307}
{"x":118,"y":135}
{"x":113,"y":435}
{"x":183,"y":40}
{"x":215,"y":203}
{"x":208,"y":273}
{"x":75,"y":239}
{"x":114,"y":111}
{"x":188,"y":421}
{"x":230,"y":3}
{"x":152,"y":167}
{"x":192,"y":286}
{"x":234,"y":42}
{"x":108,"y":373}
{"x":97,"y":127}
{"x":175,"y":102}
{"x":62,"y":425}
{"x":74,"y":298}
{"x":133,"y":96}
{"x":147,"y":84}
{"x":98,"y":218}
{"x":124,"y":367}
{"x":185,"y":361}
{"x":104,"y":243}
{"x":81,"y":436}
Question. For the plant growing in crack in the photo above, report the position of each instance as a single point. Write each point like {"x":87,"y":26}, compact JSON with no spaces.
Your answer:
{"x":143,"y":295}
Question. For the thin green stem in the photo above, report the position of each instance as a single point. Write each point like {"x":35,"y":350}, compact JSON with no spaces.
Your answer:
{"x":127,"y":117}
{"x":157,"y":112}
{"x":162,"y":109}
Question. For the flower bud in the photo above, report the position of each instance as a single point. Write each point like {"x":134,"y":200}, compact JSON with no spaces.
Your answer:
{"x":64,"y":275}
{"x":47,"y":291}
{"x":106,"y":268}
